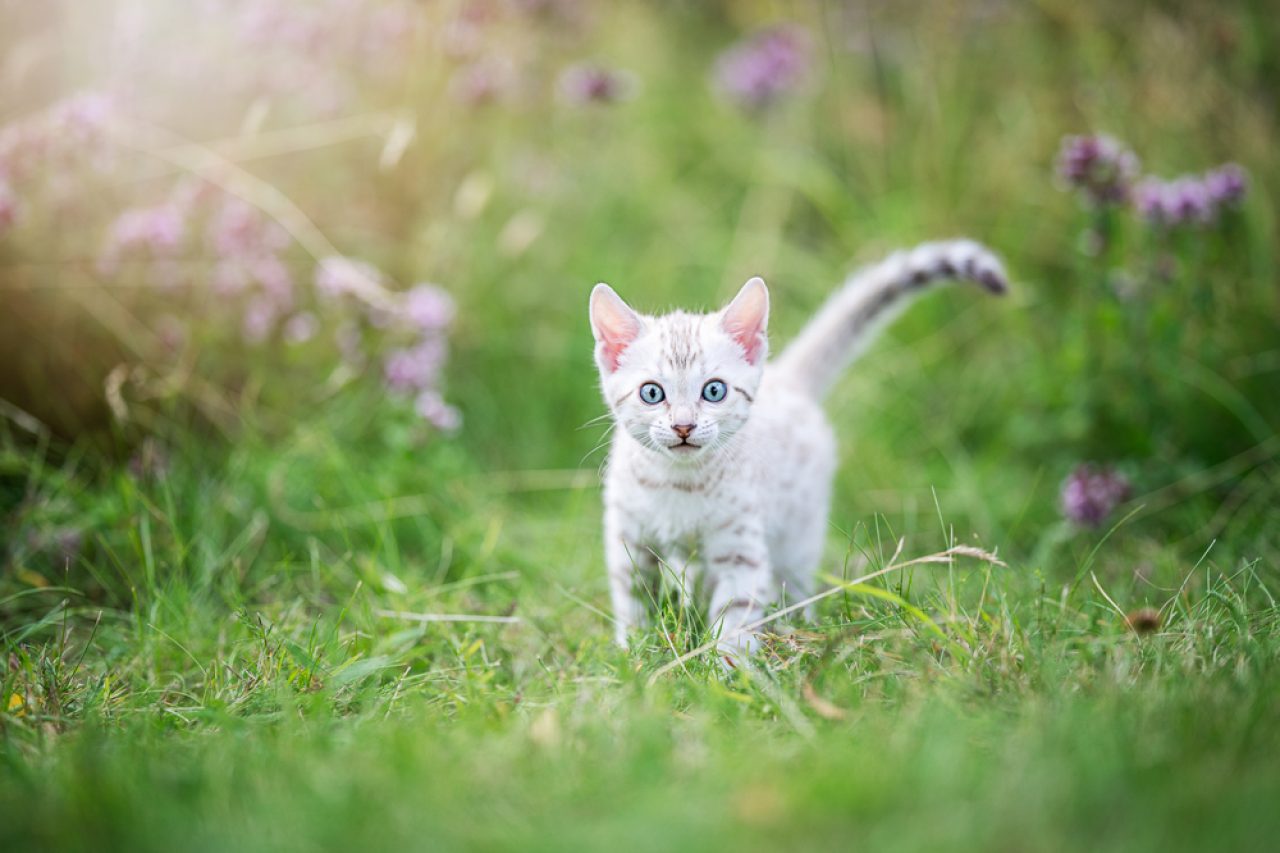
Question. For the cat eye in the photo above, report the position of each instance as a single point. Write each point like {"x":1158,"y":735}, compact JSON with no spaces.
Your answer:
{"x":652,"y":393}
{"x":714,"y":391}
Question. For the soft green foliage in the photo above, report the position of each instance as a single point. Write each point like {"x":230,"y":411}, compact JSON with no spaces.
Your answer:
{"x":221,"y":664}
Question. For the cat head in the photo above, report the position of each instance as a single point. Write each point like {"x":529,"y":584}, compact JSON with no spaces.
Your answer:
{"x":681,"y":384}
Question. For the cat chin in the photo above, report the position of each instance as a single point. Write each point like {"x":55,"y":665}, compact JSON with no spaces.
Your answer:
{"x":686,"y":453}
{"x":684,"y":449}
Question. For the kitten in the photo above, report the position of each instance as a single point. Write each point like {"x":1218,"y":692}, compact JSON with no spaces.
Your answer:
{"x":721,"y":457}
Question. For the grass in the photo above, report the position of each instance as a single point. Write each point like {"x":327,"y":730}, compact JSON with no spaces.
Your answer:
{"x":219,"y":663}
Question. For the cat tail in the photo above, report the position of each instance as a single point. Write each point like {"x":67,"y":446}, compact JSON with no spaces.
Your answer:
{"x":852,"y":316}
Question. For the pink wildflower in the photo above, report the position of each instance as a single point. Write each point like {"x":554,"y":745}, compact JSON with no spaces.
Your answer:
{"x":301,"y":327}
{"x":8,"y":206}
{"x":429,"y":307}
{"x":435,"y":411}
{"x":259,"y":320}
{"x":337,"y":276}
{"x":765,"y":66}
{"x":1091,"y":494}
{"x":415,"y":368}
{"x":586,"y":83}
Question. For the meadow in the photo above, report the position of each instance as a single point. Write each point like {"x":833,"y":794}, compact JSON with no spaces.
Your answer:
{"x":300,"y":432}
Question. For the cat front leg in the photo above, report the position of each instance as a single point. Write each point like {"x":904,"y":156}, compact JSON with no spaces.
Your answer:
{"x":737,"y":562}
{"x":631,"y":568}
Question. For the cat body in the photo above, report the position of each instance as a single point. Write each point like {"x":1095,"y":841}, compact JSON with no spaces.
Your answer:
{"x":720,"y":470}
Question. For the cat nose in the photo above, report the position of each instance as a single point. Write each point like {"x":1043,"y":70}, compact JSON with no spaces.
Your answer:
{"x":683,"y":430}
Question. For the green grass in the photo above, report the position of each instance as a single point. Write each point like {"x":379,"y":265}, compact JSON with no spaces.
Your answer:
{"x":214,"y":667}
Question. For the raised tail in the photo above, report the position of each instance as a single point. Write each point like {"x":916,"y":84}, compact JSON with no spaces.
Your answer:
{"x":849,"y":320}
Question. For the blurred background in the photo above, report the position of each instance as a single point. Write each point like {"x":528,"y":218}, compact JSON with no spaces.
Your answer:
{"x":360,"y":234}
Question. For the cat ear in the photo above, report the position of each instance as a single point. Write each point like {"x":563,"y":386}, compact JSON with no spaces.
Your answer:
{"x":747,"y":319}
{"x":614,"y":325}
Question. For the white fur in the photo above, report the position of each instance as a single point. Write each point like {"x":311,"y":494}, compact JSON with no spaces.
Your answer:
{"x":744,"y":512}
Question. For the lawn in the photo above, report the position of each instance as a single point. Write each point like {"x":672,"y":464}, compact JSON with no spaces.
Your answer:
{"x":300,"y":433}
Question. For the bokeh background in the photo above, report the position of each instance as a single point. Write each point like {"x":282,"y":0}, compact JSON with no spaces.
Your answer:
{"x":293,"y":340}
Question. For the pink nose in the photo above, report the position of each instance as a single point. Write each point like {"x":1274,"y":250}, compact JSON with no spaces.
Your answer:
{"x":683,"y":430}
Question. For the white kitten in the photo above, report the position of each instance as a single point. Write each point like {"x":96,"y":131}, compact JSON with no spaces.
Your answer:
{"x":725,"y":459}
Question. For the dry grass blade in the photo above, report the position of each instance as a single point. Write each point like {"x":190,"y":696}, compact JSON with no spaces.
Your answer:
{"x":822,"y":707}
{"x":944,"y":557}
{"x":447,"y":617}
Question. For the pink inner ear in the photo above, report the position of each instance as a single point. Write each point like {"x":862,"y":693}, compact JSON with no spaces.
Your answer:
{"x":614,"y":325}
{"x":747,"y":317}
{"x":611,"y":352}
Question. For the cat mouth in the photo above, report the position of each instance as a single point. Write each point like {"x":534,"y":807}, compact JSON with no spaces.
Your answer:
{"x":684,"y":447}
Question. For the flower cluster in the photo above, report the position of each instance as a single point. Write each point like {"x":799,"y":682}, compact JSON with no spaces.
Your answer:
{"x":197,"y":236}
{"x":765,"y":66}
{"x":588,"y":83}
{"x":1191,"y":199}
{"x":483,"y":81}
{"x":1101,"y":168}
{"x":427,"y":311}
{"x":62,"y":134}
{"x":758,"y":71}
{"x":9,"y":209}
{"x":1091,"y":494}
{"x":38,"y":152}
{"x":176,"y":238}
{"x":1105,"y":172}
{"x":420,"y":318}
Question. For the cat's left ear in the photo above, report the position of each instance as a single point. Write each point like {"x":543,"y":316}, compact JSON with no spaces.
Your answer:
{"x":747,"y":319}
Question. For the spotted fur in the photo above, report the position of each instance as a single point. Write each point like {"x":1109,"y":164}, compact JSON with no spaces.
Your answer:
{"x":738,"y":508}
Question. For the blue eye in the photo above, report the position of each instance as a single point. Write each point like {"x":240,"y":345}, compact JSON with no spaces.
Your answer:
{"x":652,"y":393}
{"x":714,"y":391}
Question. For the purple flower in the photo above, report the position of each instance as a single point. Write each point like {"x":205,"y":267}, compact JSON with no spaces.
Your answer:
{"x":1091,"y":494}
{"x":481,"y":82}
{"x":259,"y":319}
{"x":771,"y":63}
{"x":1100,"y":167}
{"x":415,"y":368}
{"x":159,"y":229}
{"x":1226,"y":185}
{"x":8,"y":206}
{"x":81,"y":118}
{"x":337,"y":276}
{"x":68,"y":133}
{"x":1187,"y":200}
{"x":191,"y":194}
{"x":586,"y":83}
{"x":429,"y":308}
{"x":229,"y":277}
{"x":238,"y":230}
{"x":1190,"y":199}
{"x":435,"y":411}
{"x":273,"y":275}
{"x":301,"y":327}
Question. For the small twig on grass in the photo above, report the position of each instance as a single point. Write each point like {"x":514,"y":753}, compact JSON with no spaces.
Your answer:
{"x":945,"y":557}
{"x":447,"y":617}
